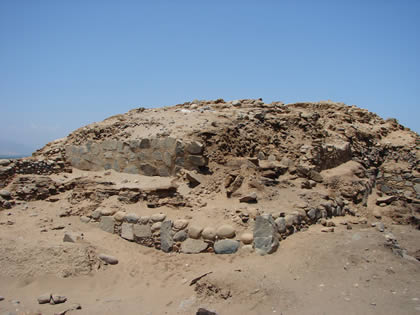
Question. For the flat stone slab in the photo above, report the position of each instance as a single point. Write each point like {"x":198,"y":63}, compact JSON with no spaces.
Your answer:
{"x":142,"y":231}
{"x":127,"y":231}
{"x":192,"y":246}
{"x":107,"y":224}
{"x":265,"y":235}
{"x":226,"y":247}
{"x":166,"y":241}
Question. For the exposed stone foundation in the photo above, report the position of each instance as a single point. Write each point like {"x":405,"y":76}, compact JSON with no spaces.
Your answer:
{"x":150,"y":157}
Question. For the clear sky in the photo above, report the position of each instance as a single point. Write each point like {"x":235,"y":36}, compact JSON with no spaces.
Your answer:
{"x":64,"y":64}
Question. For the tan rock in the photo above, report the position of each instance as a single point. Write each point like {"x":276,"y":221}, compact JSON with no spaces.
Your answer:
{"x":194,"y":231}
{"x":225,"y":231}
{"x":209,"y":233}
{"x":247,"y":238}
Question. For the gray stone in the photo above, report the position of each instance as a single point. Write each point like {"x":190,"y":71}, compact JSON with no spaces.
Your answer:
{"x":1,"y":298}
{"x":197,"y":160}
{"x":281,"y":225}
{"x":313,"y":214}
{"x":148,"y":169}
{"x":131,"y":218}
{"x":57,"y":299}
{"x":194,"y":147}
{"x":5,"y":194}
{"x":191,"y":246}
{"x":72,"y":237}
{"x":226,"y":247}
{"x":166,"y":241}
{"x":380,"y":226}
{"x":265,"y":235}
{"x":107,"y":224}
{"x":142,"y":231}
{"x":127,"y":231}
{"x":44,"y":299}
{"x":417,"y":188}
{"x":316,"y":176}
{"x":96,"y":214}
{"x":108,"y":259}
{"x":144,"y":144}
{"x":251,"y":198}
{"x":180,"y":236}
{"x":4,"y":162}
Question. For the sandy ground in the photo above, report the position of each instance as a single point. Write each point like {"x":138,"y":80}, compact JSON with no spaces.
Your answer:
{"x":345,"y":272}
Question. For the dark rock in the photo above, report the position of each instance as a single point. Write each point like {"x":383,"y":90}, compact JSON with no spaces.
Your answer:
{"x":203,"y":311}
{"x":166,"y":241}
{"x":251,"y":198}
{"x":265,"y":235}
{"x":385,"y":199}
{"x":180,"y":236}
{"x":226,"y":246}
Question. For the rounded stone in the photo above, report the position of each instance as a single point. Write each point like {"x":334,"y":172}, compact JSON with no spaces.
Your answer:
{"x":119,"y":216}
{"x":247,"y":238}
{"x":194,"y":231}
{"x":158,"y":217}
{"x":108,"y":259}
{"x":291,"y":220}
{"x":156,"y":226}
{"x":209,"y":233}
{"x":5,"y":194}
{"x":131,"y":218}
{"x":226,"y":247}
{"x":96,"y":214}
{"x":180,"y":236}
{"x":225,"y":231}
{"x":144,"y":220}
{"x":281,"y":225}
{"x":180,"y":224}
{"x":108,"y":211}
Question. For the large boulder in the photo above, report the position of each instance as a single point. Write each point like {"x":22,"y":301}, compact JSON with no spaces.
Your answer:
{"x":265,"y":235}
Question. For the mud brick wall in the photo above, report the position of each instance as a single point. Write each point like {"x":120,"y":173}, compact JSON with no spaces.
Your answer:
{"x":150,"y":157}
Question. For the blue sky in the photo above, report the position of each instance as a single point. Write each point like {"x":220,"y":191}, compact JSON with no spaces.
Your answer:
{"x":65,"y":64}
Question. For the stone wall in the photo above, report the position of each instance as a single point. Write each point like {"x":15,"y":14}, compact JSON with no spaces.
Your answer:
{"x":9,"y":168}
{"x":262,"y":232}
{"x":150,"y":157}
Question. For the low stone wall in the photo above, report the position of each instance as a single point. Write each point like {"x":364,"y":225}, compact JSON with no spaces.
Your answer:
{"x":25,"y":166}
{"x":261,"y":234}
{"x":150,"y":157}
